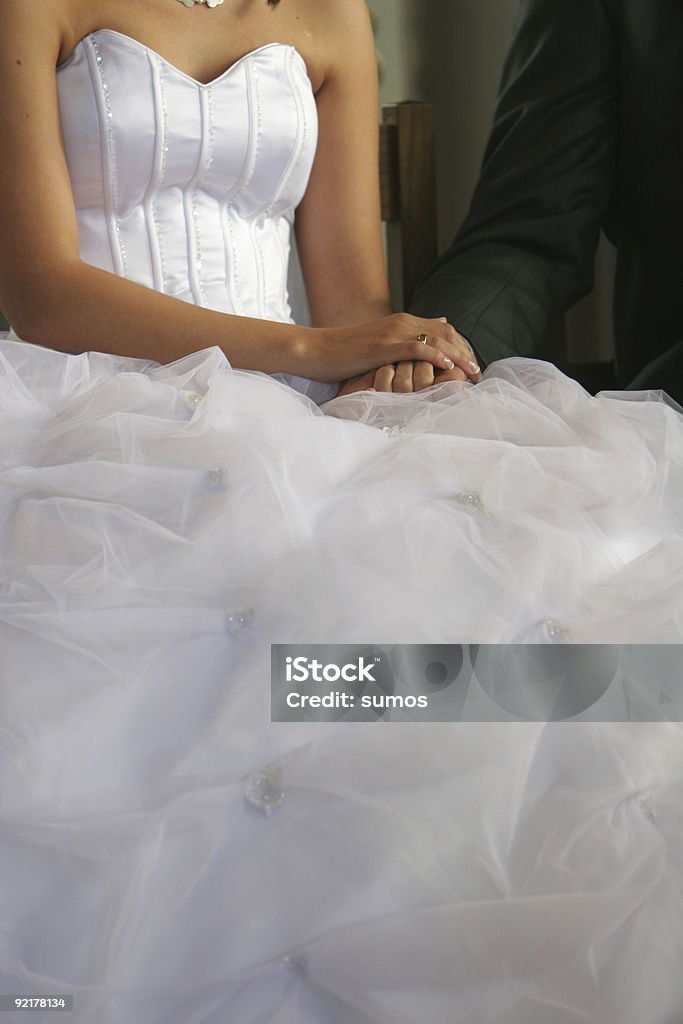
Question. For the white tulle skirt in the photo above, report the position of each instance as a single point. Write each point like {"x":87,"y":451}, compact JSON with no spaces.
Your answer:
{"x":161,"y":526}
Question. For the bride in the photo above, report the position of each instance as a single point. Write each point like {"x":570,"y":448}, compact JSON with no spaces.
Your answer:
{"x":185,"y":481}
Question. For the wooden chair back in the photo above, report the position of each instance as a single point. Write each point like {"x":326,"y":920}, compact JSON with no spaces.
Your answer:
{"x":407,"y":161}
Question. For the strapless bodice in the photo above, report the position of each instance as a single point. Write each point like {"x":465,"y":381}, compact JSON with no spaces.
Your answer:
{"x":185,"y":187}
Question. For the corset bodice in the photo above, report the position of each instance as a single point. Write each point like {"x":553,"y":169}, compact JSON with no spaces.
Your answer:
{"x":184,"y":187}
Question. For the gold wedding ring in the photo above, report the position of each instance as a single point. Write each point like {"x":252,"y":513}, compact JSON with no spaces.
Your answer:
{"x":423,"y":339}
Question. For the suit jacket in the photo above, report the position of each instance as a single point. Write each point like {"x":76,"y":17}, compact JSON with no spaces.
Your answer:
{"x":588,"y":133}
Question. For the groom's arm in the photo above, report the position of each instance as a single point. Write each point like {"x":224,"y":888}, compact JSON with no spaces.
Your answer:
{"x":525,"y":252}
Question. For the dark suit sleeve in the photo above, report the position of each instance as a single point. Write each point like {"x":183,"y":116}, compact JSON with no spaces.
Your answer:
{"x":525,"y":252}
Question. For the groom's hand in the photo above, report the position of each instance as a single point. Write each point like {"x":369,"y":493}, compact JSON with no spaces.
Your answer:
{"x":365,"y":382}
{"x":442,"y":376}
{"x":406,"y":377}
{"x":403,"y":378}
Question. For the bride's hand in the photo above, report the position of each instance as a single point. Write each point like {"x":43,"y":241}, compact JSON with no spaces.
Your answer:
{"x":345,"y":352}
{"x":407,"y":377}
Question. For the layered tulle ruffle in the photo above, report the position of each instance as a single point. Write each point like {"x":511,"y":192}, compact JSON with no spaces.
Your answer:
{"x":161,"y":527}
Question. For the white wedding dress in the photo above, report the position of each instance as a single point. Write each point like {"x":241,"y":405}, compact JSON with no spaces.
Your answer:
{"x":161,"y":526}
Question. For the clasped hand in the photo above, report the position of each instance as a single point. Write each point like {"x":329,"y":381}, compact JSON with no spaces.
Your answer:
{"x":403,"y":378}
{"x":408,"y":375}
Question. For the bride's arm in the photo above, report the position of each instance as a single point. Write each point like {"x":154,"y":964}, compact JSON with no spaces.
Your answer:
{"x":338,"y":223}
{"x":53,"y":298}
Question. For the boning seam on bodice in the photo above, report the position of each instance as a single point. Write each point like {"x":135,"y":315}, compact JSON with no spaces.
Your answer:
{"x":254,"y":224}
{"x":194,"y":244}
{"x":299,"y":142}
{"x":284,"y":290}
{"x":266,"y":208}
{"x":158,"y":172}
{"x":245,"y":175}
{"x":100,"y":89}
{"x":302,"y":134}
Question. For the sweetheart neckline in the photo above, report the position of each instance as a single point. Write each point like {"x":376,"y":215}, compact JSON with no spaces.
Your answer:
{"x":184,"y":74}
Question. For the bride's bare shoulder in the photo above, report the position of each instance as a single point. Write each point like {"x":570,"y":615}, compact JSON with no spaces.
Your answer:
{"x":31,"y":30}
{"x":343,"y":21}
{"x":341,"y":29}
